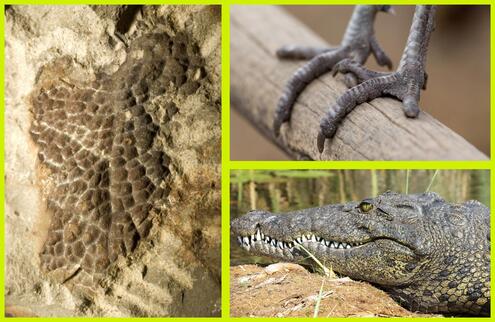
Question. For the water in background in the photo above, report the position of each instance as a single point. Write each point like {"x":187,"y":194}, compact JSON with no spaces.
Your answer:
{"x":286,"y":190}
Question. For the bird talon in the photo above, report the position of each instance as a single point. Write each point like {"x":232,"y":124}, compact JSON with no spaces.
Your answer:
{"x":335,"y":70}
{"x":320,"y":141}
{"x":277,"y":124}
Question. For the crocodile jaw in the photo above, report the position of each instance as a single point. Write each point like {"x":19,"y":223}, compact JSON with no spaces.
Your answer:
{"x":291,"y":250}
{"x":336,"y":237}
{"x":339,"y":255}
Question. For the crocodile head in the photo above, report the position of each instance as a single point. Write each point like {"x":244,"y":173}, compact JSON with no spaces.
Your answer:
{"x":391,"y":240}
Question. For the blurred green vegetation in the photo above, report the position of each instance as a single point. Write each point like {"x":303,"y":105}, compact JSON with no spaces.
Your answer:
{"x":286,"y":190}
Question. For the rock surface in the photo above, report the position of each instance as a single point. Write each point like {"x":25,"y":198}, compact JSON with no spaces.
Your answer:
{"x":170,"y":266}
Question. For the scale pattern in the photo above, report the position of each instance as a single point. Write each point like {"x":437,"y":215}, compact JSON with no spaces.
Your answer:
{"x":106,"y":174}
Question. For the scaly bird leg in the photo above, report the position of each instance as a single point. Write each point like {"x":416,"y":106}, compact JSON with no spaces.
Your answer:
{"x":358,"y":43}
{"x":404,"y":84}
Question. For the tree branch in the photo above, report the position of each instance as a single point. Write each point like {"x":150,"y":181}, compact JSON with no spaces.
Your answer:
{"x":377,"y":130}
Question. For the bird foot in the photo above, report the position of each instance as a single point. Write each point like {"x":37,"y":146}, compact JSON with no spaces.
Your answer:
{"x":404,"y":85}
{"x":358,"y":43}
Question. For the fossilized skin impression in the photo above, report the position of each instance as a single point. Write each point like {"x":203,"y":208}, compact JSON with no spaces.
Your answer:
{"x":97,"y":150}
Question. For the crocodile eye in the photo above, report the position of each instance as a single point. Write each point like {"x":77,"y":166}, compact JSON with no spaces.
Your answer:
{"x":365,"y":206}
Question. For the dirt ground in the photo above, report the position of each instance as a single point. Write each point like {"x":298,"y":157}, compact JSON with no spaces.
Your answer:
{"x":289,"y":290}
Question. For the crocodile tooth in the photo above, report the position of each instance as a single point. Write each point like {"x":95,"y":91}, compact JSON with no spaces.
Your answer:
{"x":304,"y":238}
{"x":322,"y":241}
{"x":281,"y":245}
{"x":274,"y":242}
{"x":265,"y":248}
{"x":340,"y":246}
{"x":299,"y":240}
{"x":262,"y":236}
{"x":327,"y":243}
{"x":258,"y":235}
{"x":308,"y":237}
{"x":268,"y":239}
{"x":313,"y":238}
{"x":348,"y":246}
{"x":245,"y":240}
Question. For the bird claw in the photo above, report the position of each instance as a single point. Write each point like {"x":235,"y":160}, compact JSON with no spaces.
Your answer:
{"x":320,"y":141}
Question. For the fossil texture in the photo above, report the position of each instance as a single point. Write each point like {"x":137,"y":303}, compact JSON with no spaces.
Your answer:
{"x":105,"y":171}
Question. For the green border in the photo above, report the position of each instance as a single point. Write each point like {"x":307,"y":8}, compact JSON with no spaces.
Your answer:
{"x":227,"y":165}
{"x":225,"y":161}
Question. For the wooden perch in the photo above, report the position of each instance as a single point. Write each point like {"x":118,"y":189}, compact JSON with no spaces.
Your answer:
{"x":373,"y":131}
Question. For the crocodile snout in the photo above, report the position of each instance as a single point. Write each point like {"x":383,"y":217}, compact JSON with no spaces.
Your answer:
{"x":249,"y":223}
